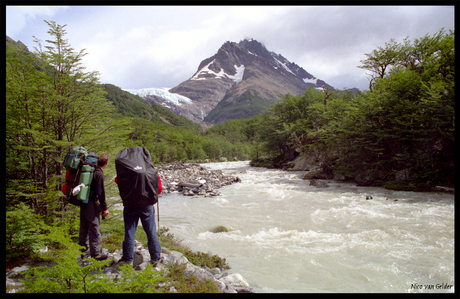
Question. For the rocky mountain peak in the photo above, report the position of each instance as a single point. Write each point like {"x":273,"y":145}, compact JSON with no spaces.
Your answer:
{"x":240,"y":80}
{"x":255,"y":47}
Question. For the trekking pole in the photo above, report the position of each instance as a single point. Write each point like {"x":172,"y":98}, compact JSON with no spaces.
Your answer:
{"x":158,"y":215}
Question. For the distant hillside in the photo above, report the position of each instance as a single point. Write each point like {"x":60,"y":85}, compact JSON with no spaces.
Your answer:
{"x":131,"y":105}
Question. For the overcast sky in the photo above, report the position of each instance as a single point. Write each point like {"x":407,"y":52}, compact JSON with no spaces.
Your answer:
{"x":162,"y":46}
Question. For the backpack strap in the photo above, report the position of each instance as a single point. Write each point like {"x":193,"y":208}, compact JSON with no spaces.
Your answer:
{"x":69,"y":192}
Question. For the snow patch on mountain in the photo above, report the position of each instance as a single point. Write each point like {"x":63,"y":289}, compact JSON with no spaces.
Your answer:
{"x":284,"y":66}
{"x":239,"y":74}
{"x":162,"y":92}
{"x":204,"y":70}
{"x":221,"y":74}
{"x":312,"y":80}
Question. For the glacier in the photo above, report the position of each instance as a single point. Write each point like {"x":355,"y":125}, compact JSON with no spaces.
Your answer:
{"x":162,"y":92}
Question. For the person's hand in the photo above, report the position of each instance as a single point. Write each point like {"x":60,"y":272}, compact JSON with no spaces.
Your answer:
{"x":105,"y":213}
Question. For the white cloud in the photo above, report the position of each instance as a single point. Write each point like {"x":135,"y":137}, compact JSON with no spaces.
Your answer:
{"x":19,"y":17}
{"x":152,"y":46}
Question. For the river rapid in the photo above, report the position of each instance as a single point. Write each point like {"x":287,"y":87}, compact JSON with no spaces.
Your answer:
{"x":289,"y":237}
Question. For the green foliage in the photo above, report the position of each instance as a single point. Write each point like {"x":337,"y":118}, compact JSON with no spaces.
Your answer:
{"x":406,"y":120}
{"x":189,"y":284}
{"x":51,"y":103}
{"x":63,"y":274}
{"x":67,"y":276}
{"x":23,"y":232}
{"x":209,"y":260}
{"x":146,"y":281}
{"x":167,"y":143}
{"x":292,"y":124}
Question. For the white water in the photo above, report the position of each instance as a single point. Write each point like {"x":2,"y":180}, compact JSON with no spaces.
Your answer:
{"x":287,"y":236}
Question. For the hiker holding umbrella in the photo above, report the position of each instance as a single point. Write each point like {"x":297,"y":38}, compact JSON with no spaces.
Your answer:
{"x":139,"y":185}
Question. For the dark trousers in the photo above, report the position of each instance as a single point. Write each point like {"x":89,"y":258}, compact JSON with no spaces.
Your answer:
{"x":89,"y":228}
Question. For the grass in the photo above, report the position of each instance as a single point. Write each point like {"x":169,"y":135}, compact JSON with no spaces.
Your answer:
{"x":189,"y":284}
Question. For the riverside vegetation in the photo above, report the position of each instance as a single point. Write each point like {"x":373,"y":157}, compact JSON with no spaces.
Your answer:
{"x":404,"y":122}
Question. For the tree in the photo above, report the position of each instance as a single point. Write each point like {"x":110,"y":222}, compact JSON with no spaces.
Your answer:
{"x":74,"y":101}
{"x":407,"y":120}
{"x":51,"y":104}
{"x":380,"y":60}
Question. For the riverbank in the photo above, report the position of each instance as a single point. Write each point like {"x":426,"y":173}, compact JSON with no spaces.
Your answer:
{"x":316,"y":169}
{"x":189,"y":179}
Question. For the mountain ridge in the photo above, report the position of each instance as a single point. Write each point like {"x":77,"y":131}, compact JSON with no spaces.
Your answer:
{"x":239,"y":81}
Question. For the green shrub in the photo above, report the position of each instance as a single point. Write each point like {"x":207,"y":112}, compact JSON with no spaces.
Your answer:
{"x":202,"y":259}
{"x":189,"y":284}
{"x":23,"y":231}
{"x":66,"y":275}
{"x":146,"y":281}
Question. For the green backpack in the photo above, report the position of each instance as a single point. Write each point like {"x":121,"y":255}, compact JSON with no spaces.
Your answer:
{"x":80,"y":168}
{"x":73,"y":158}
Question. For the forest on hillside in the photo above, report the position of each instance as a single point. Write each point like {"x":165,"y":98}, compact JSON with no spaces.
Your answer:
{"x":405,"y":121}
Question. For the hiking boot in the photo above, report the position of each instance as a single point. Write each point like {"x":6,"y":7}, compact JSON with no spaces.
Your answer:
{"x":100,"y":257}
{"x":156,"y":263}
{"x":84,"y":252}
{"x":122,"y":262}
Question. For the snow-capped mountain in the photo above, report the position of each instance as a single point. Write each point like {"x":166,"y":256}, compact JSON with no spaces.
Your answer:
{"x":240,"y":80}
